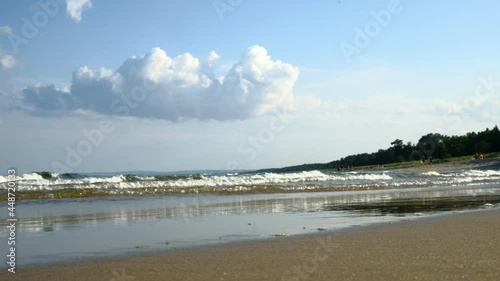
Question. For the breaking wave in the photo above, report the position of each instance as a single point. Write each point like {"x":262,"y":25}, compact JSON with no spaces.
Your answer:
{"x":53,"y":185}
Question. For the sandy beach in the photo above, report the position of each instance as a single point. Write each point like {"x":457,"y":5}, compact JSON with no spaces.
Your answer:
{"x":450,"y":247}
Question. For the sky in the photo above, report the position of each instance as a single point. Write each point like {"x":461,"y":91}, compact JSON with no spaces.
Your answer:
{"x":102,"y":86}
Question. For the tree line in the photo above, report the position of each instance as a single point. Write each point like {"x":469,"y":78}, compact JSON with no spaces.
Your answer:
{"x":432,"y":145}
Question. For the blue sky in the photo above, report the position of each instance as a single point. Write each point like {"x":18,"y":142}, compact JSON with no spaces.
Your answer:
{"x":226,"y":72}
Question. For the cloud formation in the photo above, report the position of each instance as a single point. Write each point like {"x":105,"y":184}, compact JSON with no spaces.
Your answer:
{"x":5,"y":29}
{"x":7,"y":61}
{"x":174,"y":88}
{"x":75,"y":8}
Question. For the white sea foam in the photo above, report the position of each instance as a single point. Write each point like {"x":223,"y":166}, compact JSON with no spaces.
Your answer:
{"x":3,"y":179}
{"x":482,"y":173}
{"x":24,"y":177}
{"x":431,"y":173}
{"x":273,"y":178}
{"x":242,"y":182}
{"x":31,"y":177}
{"x":34,"y":181}
{"x":466,"y":174}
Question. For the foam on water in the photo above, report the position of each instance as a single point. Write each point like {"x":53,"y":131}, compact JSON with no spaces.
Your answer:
{"x":431,"y":173}
{"x":233,"y":182}
{"x":121,"y":181}
{"x":3,"y":179}
{"x":482,"y":173}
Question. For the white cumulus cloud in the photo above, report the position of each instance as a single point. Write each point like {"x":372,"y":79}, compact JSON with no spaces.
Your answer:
{"x":174,"y":88}
{"x":75,"y":8}
{"x":7,"y":61}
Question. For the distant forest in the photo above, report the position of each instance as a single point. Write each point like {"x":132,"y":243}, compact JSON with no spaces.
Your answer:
{"x":436,"y":146}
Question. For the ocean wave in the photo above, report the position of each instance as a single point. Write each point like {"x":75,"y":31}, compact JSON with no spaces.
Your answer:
{"x":465,"y":173}
{"x":3,"y":179}
{"x":431,"y":173}
{"x":90,"y":185}
{"x":482,"y":173}
{"x":40,"y":181}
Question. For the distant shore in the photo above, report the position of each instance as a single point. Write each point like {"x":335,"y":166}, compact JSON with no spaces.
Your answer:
{"x":449,"y":247}
{"x":489,"y":163}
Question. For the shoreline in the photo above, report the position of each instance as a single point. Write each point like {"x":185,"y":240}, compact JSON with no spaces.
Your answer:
{"x":445,"y":247}
{"x":484,"y":164}
{"x":267,"y":188}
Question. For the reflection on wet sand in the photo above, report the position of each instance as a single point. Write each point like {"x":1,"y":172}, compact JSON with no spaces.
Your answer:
{"x":418,"y":205}
{"x":67,"y":216}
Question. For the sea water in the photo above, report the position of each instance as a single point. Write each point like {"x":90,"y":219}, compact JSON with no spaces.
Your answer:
{"x":116,"y":214}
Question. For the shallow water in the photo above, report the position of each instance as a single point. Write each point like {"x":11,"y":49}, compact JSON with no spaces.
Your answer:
{"x":65,"y":229}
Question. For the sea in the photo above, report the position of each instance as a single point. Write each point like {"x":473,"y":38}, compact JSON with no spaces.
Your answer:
{"x":66,"y":217}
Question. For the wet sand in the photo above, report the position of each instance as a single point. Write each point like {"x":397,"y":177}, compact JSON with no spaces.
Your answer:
{"x":450,"y":247}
